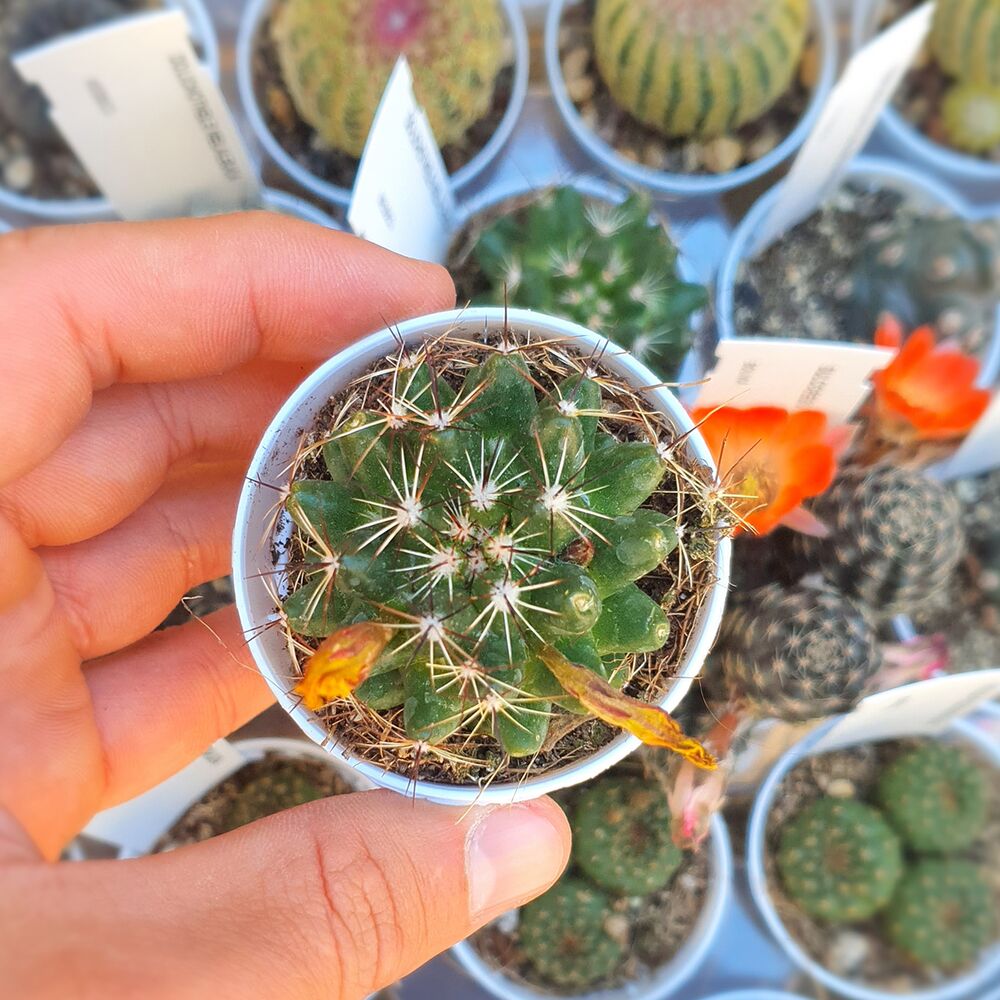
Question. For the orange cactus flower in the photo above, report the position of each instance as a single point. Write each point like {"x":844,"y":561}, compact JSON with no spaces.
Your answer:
{"x":928,"y":391}
{"x":772,"y":460}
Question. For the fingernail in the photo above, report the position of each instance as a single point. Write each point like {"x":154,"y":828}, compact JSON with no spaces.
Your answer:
{"x":512,"y":854}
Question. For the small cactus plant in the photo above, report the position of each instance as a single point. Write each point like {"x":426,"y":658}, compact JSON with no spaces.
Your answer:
{"x":690,"y":68}
{"x":336,"y":57}
{"x":965,"y":40}
{"x":621,"y":836}
{"x":797,"y":653}
{"x":284,"y":786}
{"x":895,"y":537}
{"x":608,"y":267}
{"x":839,"y":860}
{"x":936,"y":798}
{"x":943,"y":914}
{"x":970,"y":114}
{"x":565,"y":937}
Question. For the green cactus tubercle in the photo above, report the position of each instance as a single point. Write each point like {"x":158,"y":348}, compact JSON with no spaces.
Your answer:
{"x":687,"y":67}
{"x":610,"y":268}
{"x":970,"y":113}
{"x":481,"y":518}
{"x":336,"y":57}
{"x":839,"y":860}
{"x":965,"y":40}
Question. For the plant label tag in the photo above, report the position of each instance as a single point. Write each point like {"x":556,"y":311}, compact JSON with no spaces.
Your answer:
{"x":402,"y":197}
{"x":793,"y":374}
{"x":145,"y":117}
{"x":136,"y":825}
{"x":846,"y":121}
{"x":980,"y":451}
{"x":925,"y":708}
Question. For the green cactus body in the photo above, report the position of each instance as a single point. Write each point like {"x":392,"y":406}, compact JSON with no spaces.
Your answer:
{"x":839,"y":860}
{"x":895,"y":537}
{"x":608,"y":267}
{"x":970,"y":113}
{"x":936,"y":799}
{"x":466,"y":512}
{"x":283,"y":787}
{"x":621,"y":836}
{"x":980,"y":500}
{"x":563,"y":934}
{"x":336,"y":57}
{"x":965,"y":40}
{"x":797,"y":653}
{"x":943,"y":914}
{"x":686,"y":67}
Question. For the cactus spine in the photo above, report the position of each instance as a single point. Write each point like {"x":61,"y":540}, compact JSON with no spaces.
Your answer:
{"x":965,"y":40}
{"x":336,"y":57}
{"x":686,"y":67}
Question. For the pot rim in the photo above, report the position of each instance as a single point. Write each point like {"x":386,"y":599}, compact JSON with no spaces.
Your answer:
{"x":251,"y":564}
{"x":90,"y":209}
{"x":291,"y":204}
{"x":911,"y":180}
{"x":753,"y":994}
{"x":968,"y":984}
{"x":694,"y":185}
{"x":668,"y":977}
{"x":250,"y":23}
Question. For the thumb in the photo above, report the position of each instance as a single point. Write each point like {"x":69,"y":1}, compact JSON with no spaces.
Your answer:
{"x":334,"y":899}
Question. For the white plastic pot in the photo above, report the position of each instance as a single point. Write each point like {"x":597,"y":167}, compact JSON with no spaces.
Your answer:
{"x":5,"y":227}
{"x":254,"y":568}
{"x":84,"y":209}
{"x":692,"y":185}
{"x":668,"y":978}
{"x":970,"y":985}
{"x":290,"y":204}
{"x":919,"y":187}
{"x":252,"y":23}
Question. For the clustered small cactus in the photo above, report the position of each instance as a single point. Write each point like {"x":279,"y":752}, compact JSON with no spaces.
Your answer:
{"x":980,"y":500}
{"x":970,"y":114}
{"x":336,"y":57}
{"x":283,"y":786}
{"x":690,"y":68}
{"x":611,"y":268}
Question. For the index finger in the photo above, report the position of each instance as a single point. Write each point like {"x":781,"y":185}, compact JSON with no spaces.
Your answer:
{"x":84,"y":307}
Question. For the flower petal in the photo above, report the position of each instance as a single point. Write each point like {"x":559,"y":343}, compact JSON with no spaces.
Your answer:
{"x":342,"y":662}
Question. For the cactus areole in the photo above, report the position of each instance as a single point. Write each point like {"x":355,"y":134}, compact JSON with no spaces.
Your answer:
{"x":478,"y":524}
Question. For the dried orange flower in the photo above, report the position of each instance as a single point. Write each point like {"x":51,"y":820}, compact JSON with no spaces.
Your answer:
{"x":341,"y":663}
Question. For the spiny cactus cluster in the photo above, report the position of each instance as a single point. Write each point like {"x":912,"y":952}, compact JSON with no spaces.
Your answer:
{"x":284,"y":786}
{"x":483,"y":501}
{"x":690,"y":68}
{"x":895,"y":537}
{"x":936,"y":799}
{"x":336,"y":57}
{"x":840,"y":860}
{"x":980,"y":500}
{"x":798,"y":652}
{"x":608,"y":267}
{"x":970,"y":114}
{"x":943,"y":913}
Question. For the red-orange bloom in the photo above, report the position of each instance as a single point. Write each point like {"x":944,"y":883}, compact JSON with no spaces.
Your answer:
{"x":772,"y":460}
{"x":928,"y":391}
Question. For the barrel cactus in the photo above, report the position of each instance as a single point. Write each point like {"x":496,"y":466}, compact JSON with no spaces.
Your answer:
{"x":935,"y":797}
{"x":690,"y":68}
{"x":336,"y":57}
{"x":608,"y":267}
{"x":284,"y":786}
{"x":943,"y":914}
{"x":564,"y":935}
{"x":965,"y":40}
{"x":970,"y":114}
{"x":621,"y":836}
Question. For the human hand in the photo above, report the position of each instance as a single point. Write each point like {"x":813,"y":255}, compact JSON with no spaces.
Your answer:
{"x":140,"y":365}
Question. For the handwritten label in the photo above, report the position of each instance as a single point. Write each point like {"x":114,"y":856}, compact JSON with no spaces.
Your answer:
{"x":846,"y":121}
{"x":980,"y":451}
{"x":794,"y":374}
{"x":145,"y":117}
{"x":402,"y":197}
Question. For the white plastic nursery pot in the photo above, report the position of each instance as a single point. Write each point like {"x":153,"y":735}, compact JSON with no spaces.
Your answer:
{"x":253,"y":21}
{"x":919,"y":187}
{"x":256,"y":576}
{"x":971,"y":984}
{"x":85,"y":209}
{"x":667,"y":978}
{"x":976,"y":178}
{"x":290,"y":204}
{"x":691,"y":185}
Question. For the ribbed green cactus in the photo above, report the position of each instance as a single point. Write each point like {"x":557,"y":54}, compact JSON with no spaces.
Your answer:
{"x":608,"y":267}
{"x":970,"y":113}
{"x":687,"y":67}
{"x":965,"y":39}
{"x":564,"y":935}
{"x":943,"y":914}
{"x":479,"y":506}
{"x":797,"y":652}
{"x":336,"y":57}
{"x":621,"y":836}
{"x":935,"y":797}
{"x":284,"y":786}
{"x":839,"y":860}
